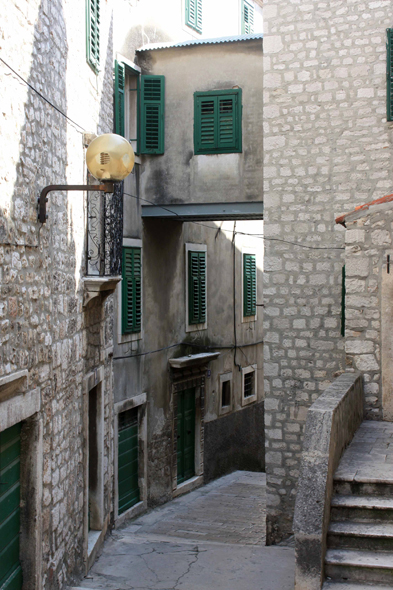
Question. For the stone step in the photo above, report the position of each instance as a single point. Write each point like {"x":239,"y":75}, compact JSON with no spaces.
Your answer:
{"x":351,"y":565}
{"x":361,"y":508}
{"x":333,"y":585}
{"x":356,"y":535}
{"x":359,"y":488}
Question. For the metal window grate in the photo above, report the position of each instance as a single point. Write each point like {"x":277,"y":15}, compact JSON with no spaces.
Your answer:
{"x":249,"y":384}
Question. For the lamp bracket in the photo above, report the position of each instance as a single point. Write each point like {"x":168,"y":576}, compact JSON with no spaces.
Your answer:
{"x":107,"y":187}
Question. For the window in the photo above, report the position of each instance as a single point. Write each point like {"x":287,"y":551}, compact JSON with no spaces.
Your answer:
{"x":247,"y":18}
{"x":389,"y":74}
{"x":93,"y":33}
{"x":193,"y":10}
{"x":249,"y":385}
{"x":139,"y":109}
{"x":196,"y":287}
{"x":196,"y":272}
{"x":225,"y":393}
{"x":132,"y":290}
{"x":217,"y":122}
{"x":249,"y":286}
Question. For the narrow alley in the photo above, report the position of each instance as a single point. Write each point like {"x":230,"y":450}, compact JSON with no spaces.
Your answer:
{"x":213,"y":537}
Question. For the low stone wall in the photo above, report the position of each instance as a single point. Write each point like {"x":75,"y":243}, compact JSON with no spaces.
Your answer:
{"x":331,"y":423}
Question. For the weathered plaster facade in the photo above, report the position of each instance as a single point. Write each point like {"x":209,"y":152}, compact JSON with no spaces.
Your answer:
{"x":327,"y":148}
{"x":49,"y":342}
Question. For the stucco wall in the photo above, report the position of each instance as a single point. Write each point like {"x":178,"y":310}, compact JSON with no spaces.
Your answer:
{"x":179,"y":176}
{"x":44,"y":328}
{"x":327,"y":148}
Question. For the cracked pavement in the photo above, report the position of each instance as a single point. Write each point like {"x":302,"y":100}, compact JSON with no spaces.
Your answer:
{"x":212,"y":538}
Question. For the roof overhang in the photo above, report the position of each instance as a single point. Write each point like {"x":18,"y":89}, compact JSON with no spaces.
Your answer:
{"x":204,"y":211}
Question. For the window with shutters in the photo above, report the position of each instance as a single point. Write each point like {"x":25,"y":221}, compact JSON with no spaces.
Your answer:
{"x":196,"y":304}
{"x":249,"y":286}
{"x":193,"y":12}
{"x":218,"y":122}
{"x":132,"y":290}
{"x":247,"y":18}
{"x":249,"y":385}
{"x":140,"y":109}
{"x":389,"y":74}
{"x":93,"y":33}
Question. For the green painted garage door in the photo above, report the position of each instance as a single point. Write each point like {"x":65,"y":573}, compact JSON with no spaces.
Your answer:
{"x":128,"y":460}
{"x":185,"y":435}
{"x":10,"y":569}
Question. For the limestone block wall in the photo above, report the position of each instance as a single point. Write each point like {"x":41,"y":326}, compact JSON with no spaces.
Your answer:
{"x":43,"y":325}
{"x":327,"y":148}
{"x":368,"y":340}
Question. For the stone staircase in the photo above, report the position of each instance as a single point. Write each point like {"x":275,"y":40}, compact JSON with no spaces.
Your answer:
{"x":360,"y":538}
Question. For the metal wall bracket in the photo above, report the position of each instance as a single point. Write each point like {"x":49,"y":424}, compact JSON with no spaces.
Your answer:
{"x":107,"y":187}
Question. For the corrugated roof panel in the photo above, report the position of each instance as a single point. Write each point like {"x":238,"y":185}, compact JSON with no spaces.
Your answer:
{"x":189,"y":42}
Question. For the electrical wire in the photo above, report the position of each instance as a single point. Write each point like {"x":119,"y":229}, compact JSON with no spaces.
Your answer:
{"x":80,"y":130}
{"x":259,"y":236}
{"x":192,"y":344}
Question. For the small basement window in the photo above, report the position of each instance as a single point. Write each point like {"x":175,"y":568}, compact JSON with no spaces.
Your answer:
{"x":249,"y":385}
{"x":225,"y":393}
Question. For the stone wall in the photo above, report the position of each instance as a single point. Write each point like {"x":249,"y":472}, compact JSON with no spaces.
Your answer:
{"x":44,"y":327}
{"x":368,"y":304}
{"x":327,"y":148}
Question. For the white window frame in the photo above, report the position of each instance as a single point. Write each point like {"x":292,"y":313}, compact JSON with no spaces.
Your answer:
{"x":134,"y":336}
{"x":121,"y":59}
{"x":194,"y":248}
{"x":252,"y":398}
{"x":225,"y":377}
{"x":247,"y":250}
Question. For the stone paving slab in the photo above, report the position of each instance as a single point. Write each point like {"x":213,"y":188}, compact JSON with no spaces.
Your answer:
{"x":369,"y":457}
{"x":212,"y":538}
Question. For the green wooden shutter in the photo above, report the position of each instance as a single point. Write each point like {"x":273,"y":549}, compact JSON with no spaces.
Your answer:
{"x":93,"y":33}
{"x":343,"y":301}
{"x":196,"y":287}
{"x":132,"y":290}
{"x":128,"y":484}
{"x":185,"y":435}
{"x":217,"y":122}
{"x":152,"y":114}
{"x":10,"y":568}
{"x":389,"y":74}
{"x":249,"y":285}
{"x":120,"y":78}
{"x":247,"y":18}
{"x":193,"y":11}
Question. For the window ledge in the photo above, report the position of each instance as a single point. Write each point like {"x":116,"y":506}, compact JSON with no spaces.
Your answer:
{"x":94,"y":286}
{"x":192,"y":360}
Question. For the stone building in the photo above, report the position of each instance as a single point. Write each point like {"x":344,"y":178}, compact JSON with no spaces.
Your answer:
{"x":187,"y":200}
{"x":64,"y":401}
{"x":327,"y":149}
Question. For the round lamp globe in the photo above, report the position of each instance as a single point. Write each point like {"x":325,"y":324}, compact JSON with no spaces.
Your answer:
{"x":110,"y":157}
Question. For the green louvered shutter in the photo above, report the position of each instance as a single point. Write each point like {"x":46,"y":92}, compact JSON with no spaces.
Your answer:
{"x":249,"y":285}
{"x":128,"y":484}
{"x":343,"y":301}
{"x":152,"y":114}
{"x":10,"y":567}
{"x":205,"y":123}
{"x":196,"y":287}
{"x":194,"y":14}
{"x":132,"y":290}
{"x":217,"y":122}
{"x":226,"y":114}
{"x":247,"y":18}
{"x":93,"y":33}
{"x":120,"y":78}
{"x":389,"y":74}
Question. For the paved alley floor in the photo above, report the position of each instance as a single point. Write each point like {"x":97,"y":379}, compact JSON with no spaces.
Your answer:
{"x":212,"y":538}
{"x":370,"y":455}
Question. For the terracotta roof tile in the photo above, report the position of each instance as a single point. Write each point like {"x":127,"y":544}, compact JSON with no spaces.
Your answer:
{"x":365,"y":207}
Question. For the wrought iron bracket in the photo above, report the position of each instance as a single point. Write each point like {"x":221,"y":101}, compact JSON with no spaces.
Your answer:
{"x":108,"y":187}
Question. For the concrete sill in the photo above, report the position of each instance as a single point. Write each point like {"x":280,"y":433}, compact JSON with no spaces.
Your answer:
{"x":188,"y":486}
{"x":192,"y":360}
{"x":94,"y":286}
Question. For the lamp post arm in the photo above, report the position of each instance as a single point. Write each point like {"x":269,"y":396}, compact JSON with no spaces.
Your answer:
{"x":107,"y":187}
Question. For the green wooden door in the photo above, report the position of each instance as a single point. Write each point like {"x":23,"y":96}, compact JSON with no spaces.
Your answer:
{"x":10,"y":569}
{"x":185,"y":435}
{"x":128,"y":460}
